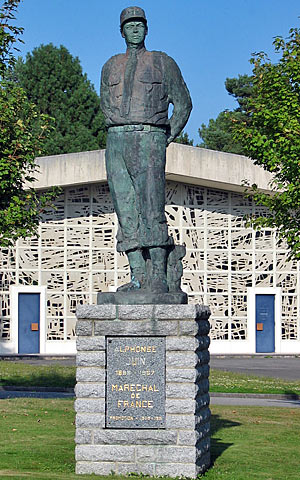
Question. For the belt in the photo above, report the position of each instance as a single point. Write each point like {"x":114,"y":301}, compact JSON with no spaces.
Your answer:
{"x":137,"y":128}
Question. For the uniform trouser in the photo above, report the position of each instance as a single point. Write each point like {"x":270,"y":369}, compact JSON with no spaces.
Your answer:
{"x":135,"y":164}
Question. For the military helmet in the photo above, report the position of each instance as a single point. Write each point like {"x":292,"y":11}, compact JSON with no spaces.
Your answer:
{"x":129,"y":13}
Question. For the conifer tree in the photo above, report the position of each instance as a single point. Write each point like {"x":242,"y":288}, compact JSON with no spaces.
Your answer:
{"x":219,"y":133}
{"x":53,"y":79}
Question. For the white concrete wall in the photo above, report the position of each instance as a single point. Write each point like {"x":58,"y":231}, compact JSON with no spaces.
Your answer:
{"x":186,"y":164}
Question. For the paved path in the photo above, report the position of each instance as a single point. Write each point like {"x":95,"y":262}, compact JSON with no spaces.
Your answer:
{"x":251,"y":402}
{"x":215,"y":400}
{"x":287,"y":368}
{"x":270,"y":366}
{"x":4,"y":394}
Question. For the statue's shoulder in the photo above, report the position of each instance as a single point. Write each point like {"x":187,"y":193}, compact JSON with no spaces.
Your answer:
{"x":114,"y":60}
{"x":162,"y":57}
{"x":158,"y":54}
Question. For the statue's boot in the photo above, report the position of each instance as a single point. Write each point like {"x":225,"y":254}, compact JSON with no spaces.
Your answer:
{"x":137,"y":269}
{"x":137,"y":282}
{"x":158,"y":281}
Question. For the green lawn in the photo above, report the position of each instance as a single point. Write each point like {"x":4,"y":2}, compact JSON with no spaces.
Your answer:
{"x":22,"y":374}
{"x":18,"y":373}
{"x":248,"y":443}
{"x":229,"y":382}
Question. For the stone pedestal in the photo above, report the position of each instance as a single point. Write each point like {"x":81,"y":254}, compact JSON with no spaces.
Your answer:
{"x":173,"y":438}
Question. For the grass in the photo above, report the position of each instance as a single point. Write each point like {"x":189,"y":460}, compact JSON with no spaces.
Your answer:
{"x":22,"y":374}
{"x":229,"y":382}
{"x":251,"y":443}
{"x":248,"y":443}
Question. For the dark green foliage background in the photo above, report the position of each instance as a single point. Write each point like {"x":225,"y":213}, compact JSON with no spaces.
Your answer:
{"x":53,"y":80}
{"x":219,"y":133}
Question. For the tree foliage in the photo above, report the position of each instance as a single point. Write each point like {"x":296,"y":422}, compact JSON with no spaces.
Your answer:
{"x":184,"y":139}
{"x":219,"y":133}
{"x":241,"y":88}
{"x":272,"y":138}
{"x":9,"y":35}
{"x":53,"y":79}
{"x":23,"y":131}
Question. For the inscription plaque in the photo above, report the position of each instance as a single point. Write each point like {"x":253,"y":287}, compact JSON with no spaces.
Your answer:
{"x":135,"y":382}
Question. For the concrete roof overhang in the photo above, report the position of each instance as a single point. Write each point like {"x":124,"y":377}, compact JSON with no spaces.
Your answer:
{"x":186,"y":164}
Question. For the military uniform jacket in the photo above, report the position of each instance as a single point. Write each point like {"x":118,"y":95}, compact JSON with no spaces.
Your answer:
{"x":157,"y":83}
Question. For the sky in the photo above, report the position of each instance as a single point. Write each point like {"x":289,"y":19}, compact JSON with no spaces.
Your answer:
{"x":210,"y":40}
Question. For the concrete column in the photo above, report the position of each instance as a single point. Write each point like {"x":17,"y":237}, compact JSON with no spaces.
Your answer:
{"x":181,"y":447}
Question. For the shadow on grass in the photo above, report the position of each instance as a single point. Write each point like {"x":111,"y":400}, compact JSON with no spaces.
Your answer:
{"x":218,"y":447}
{"x":292,"y":398}
{"x":49,"y":378}
{"x":291,"y":395}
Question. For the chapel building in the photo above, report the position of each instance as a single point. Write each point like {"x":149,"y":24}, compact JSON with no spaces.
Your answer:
{"x":244,"y":275}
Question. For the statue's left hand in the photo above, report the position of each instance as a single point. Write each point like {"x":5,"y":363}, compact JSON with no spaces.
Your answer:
{"x":170,"y":139}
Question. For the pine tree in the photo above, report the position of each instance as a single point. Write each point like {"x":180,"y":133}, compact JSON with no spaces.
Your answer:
{"x":53,"y":79}
{"x":219,"y":133}
{"x":184,"y":139}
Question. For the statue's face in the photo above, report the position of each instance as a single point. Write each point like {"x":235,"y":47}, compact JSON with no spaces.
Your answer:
{"x":134,"y":32}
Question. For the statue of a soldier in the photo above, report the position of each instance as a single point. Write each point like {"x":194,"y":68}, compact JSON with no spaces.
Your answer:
{"x":136,"y":90}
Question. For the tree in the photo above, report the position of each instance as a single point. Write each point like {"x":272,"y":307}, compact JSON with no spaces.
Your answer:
{"x":272,"y":137}
{"x":184,"y":139}
{"x":241,"y":89}
{"x":8,"y":35}
{"x":219,"y":134}
{"x":53,"y":79}
{"x":23,"y":131}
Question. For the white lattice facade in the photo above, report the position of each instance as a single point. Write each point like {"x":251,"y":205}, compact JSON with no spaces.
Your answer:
{"x":74,"y":257}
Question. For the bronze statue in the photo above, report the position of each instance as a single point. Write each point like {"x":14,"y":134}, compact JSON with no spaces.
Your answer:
{"x":136,"y":90}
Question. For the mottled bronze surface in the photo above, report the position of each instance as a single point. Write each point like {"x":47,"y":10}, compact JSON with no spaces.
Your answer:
{"x":156,"y":83}
{"x":141,"y":297}
{"x":136,"y":90}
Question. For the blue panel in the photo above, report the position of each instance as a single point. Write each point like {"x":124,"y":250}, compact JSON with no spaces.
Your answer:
{"x":29,"y":312}
{"x":265,"y":323}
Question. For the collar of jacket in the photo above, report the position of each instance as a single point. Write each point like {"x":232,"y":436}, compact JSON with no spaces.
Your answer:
{"x":140,"y":51}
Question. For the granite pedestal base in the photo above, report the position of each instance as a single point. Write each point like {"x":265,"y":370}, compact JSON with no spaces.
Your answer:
{"x":176,"y":441}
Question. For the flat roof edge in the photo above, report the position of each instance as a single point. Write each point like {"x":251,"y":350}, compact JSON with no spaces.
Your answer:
{"x":185,"y":164}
